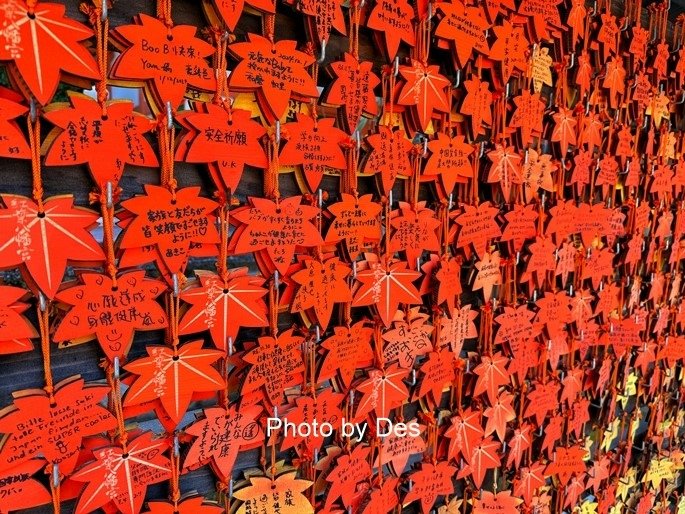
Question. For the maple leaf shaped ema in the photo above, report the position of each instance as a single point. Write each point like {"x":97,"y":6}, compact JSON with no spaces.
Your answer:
{"x":356,"y":222}
{"x":464,"y":27}
{"x":49,"y":423}
{"x":478,"y":226}
{"x":34,"y":35}
{"x":382,"y":391}
{"x":105,"y":142}
{"x":348,"y":349}
{"x":315,"y":146}
{"x":277,"y":228}
{"x":505,"y":168}
{"x":276,"y":365}
{"x":415,"y":231}
{"x":274,"y":70}
{"x":223,"y":306}
{"x":429,"y":482}
{"x":322,"y":284}
{"x":424,"y":91}
{"x":491,"y":375}
{"x":510,"y":48}
{"x":464,"y":432}
{"x":502,"y":502}
{"x":227,"y":141}
{"x":169,"y":59}
{"x":44,"y":241}
{"x":13,"y":143}
{"x":324,"y":408}
{"x":389,"y":156}
{"x":326,"y":15}
{"x":112,"y":314}
{"x":449,"y":161}
{"x":353,"y":90}
{"x":172,"y":376}
{"x":348,"y":471}
{"x":394,"y":19}
{"x":170,"y":223}
{"x":385,"y":285}
{"x":478,"y":104}
{"x":484,"y":456}
{"x":220,"y":434}
{"x":20,"y":490}
{"x":122,"y":477}
{"x":264,"y":492}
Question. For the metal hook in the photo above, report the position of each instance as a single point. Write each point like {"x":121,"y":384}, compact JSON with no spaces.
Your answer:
{"x":418,"y":263}
{"x":482,"y":149}
{"x":390,"y":198}
{"x":354,"y":270}
{"x":316,"y":455}
{"x":321,"y":59}
{"x":42,"y":302}
{"x":682,"y":98}
{"x":275,"y":411}
{"x":174,"y":279}
{"x":573,"y":61}
{"x":320,"y":193}
{"x":425,"y":147}
{"x":449,"y":205}
{"x":457,"y":80}
{"x":169,"y":116}
{"x":176,"y":446}
{"x":108,"y":193}
{"x":105,"y":12}
{"x":55,"y":475}
{"x":358,"y":139}
{"x":413,"y":377}
{"x":351,"y":402}
{"x":278,"y":132}
{"x":396,"y":67}
{"x":318,"y":333}
{"x":117,"y":369}
{"x":624,"y":27}
{"x":230,"y":488}
{"x":230,"y":345}
{"x":276,"y":281}
{"x":32,"y":109}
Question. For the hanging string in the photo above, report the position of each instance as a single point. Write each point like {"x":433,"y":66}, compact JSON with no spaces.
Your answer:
{"x":34,"y":143}
{"x":222,"y":260}
{"x":42,"y":310}
{"x":221,"y":40}
{"x":354,"y":14}
{"x":269,"y":24}
{"x":114,"y":383}
{"x":271,"y":186}
{"x":164,"y":12}
{"x":167,"y":135}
